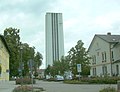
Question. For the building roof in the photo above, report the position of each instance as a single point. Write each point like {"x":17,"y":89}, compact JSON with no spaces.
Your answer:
{"x":108,"y":38}
{"x":5,"y":43}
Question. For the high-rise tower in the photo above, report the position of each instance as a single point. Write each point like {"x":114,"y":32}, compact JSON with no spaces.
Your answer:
{"x":54,"y":37}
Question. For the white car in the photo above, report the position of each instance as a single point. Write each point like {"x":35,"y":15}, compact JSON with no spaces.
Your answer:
{"x":59,"y":78}
{"x":69,"y":77}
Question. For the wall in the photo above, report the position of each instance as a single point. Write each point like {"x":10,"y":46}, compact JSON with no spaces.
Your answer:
{"x":98,"y":47}
{"x":4,"y":62}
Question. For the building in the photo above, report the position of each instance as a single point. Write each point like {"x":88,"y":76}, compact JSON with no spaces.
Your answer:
{"x":54,"y":37}
{"x":41,"y":73}
{"x":105,"y":53}
{"x":4,"y":59}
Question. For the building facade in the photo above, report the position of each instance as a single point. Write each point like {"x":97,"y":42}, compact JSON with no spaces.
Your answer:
{"x":105,"y":53}
{"x":4,"y":59}
{"x":54,"y":37}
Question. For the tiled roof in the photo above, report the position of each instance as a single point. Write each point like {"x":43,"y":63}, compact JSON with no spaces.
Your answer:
{"x":110,"y":38}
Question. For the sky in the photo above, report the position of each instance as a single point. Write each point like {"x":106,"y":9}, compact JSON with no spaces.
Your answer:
{"x":82,"y":19}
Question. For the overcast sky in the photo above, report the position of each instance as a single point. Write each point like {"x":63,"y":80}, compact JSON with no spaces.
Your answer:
{"x":82,"y":19}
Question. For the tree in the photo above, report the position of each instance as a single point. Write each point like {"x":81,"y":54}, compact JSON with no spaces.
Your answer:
{"x":58,"y":67}
{"x":79,"y":55}
{"x":76,"y":55}
{"x":16,"y":54}
{"x":64,"y":62}
{"x":13,"y":40}
{"x":47,"y":70}
{"x":37,"y":61}
{"x":27,"y":54}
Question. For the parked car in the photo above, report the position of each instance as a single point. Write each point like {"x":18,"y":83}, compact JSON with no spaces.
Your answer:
{"x":59,"y":78}
{"x":68,"y":77}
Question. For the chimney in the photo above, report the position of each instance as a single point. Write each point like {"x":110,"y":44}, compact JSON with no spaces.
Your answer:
{"x":109,"y":33}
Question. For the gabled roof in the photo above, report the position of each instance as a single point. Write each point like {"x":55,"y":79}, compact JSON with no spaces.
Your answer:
{"x":5,"y":43}
{"x":108,"y":38}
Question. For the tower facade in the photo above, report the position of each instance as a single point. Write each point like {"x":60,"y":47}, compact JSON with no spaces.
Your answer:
{"x":54,"y":37}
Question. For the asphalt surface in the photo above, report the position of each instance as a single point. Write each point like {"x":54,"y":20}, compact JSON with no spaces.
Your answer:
{"x":8,"y":86}
{"x":61,"y":87}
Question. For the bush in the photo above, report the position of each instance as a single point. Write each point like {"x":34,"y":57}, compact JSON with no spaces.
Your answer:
{"x":22,"y":89}
{"x":107,"y":80}
{"x":97,"y":80}
{"x":101,"y":80}
{"x":25,"y":81}
{"x":108,"y":89}
{"x":27,"y":89}
{"x":74,"y":82}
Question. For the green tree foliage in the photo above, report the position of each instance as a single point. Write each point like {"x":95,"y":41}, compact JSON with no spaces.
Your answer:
{"x":47,"y":70}
{"x":27,"y":54}
{"x":76,"y":55}
{"x":37,"y":61}
{"x":79,"y":55}
{"x":58,"y":67}
{"x":13,"y":40}
{"x":17,"y":54}
{"x":64,"y":64}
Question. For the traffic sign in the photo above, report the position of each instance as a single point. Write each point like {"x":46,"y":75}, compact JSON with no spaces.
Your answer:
{"x":79,"y":67}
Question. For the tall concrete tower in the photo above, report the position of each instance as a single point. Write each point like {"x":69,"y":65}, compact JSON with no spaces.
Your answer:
{"x":54,"y":37}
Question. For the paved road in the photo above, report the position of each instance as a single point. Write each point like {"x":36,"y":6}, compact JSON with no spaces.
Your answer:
{"x":8,"y":86}
{"x":61,"y":87}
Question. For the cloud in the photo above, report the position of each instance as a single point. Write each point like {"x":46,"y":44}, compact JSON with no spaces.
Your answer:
{"x":82,"y":19}
{"x":106,"y":21}
{"x":26,"y":6}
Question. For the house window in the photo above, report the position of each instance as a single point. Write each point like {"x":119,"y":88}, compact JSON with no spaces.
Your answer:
{"x":117,"y":70}
{"x":104,"y":57}
{"x":94,"y":71}
{"x":94,"y":59}
{"x":104,"y":69}
{"x":112,"y":56}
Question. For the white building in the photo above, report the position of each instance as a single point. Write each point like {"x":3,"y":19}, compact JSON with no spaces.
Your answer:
{"x":54,"y":37}
{"x":105,"y":53}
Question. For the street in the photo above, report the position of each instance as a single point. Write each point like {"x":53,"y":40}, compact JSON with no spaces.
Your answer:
{"x":8,"y":86}
{"x":61,"y":87}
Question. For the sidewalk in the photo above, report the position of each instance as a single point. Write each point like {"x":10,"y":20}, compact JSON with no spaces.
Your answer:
{"x":7,"y":86}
